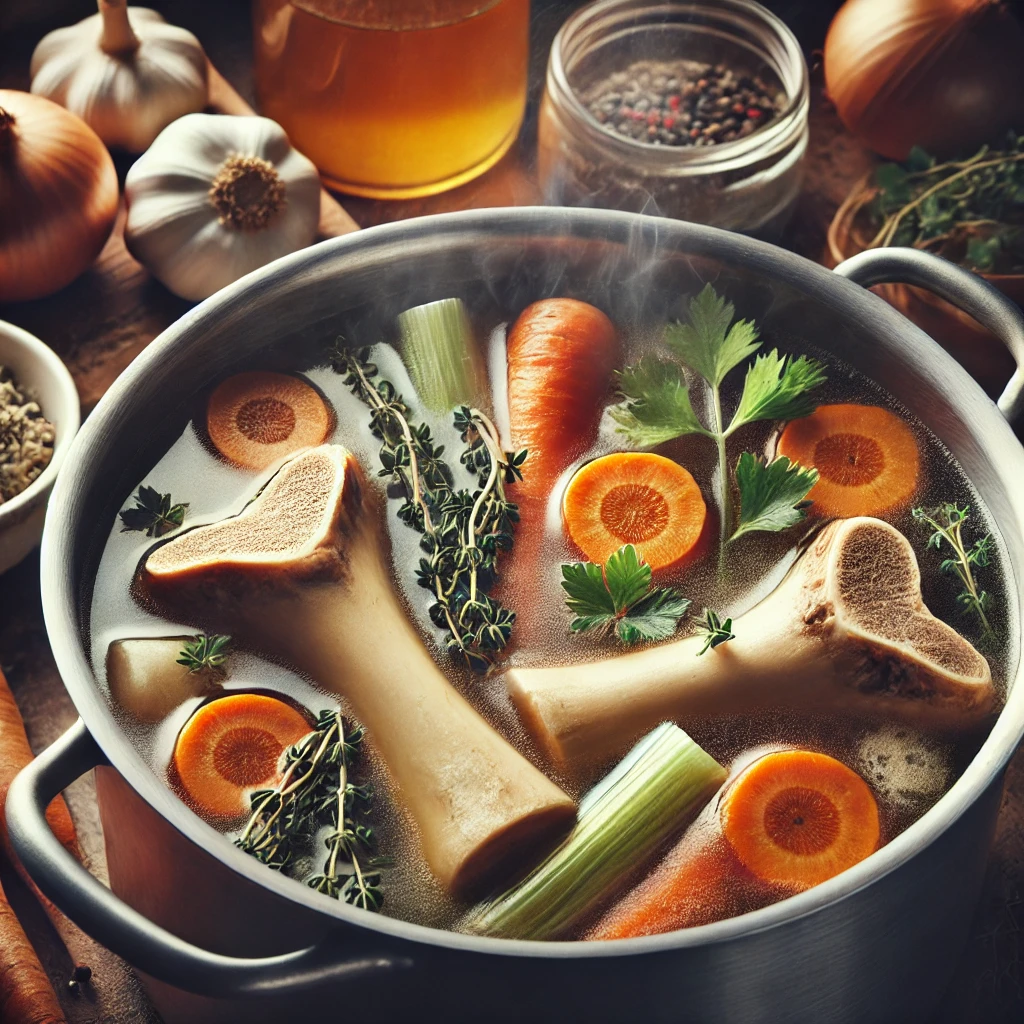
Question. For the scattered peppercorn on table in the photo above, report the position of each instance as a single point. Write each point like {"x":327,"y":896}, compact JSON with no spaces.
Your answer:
{"x":100,"y":322}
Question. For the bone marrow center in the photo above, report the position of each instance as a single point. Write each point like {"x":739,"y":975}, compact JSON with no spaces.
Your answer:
{"x":634,"y":512}
{"x":802,"y":821}
{"x":266,"y":420}
{"x":850,"y":460}
{"x":246,"y":756}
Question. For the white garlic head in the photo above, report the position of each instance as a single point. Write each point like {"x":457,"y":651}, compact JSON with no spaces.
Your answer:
{"x":124,"y":71}
{"x":216,"y":197}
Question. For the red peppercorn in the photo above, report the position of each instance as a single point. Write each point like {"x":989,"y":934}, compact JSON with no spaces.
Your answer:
{"x":674,"y":101}
{"x":694,"y":132}
{"x":653,"y":117}
{"x":625,"y":111}
{"x":737,"y":108}
{"x":668,"y":122}
{"x":753,"y":112}
{"x":638,"y":115}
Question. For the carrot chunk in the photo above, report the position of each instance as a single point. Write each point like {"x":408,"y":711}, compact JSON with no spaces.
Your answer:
{"x":231,"y":746}
{"x":635,"y":498}
{"x":258,"y":417}
{"x":866,"y":457}
{"x":797,"y":818}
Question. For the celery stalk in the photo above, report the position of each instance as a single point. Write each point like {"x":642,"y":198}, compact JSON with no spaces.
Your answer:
{"x":656,"y":789}
{"x":441,"y":355}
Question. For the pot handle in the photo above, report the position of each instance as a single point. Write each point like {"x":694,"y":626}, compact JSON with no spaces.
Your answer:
{"x":960,"y":287}
{"x":128,"y":933}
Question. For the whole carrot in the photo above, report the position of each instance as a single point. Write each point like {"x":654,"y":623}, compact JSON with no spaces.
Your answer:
{"x":26,"y":995}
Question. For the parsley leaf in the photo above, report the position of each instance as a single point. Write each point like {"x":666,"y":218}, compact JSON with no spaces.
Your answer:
{"x":773,"y":496}
{"x":777,"y":388}
{"x":714,"y":630}
{"x":707,"y":343}
{"x":153,"y":513}
{"x":619,"y":596}
{"x":657,"y":406}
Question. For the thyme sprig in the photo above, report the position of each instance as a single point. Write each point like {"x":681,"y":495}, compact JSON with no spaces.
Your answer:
{"x":714,"y":630}
{"x":947,"y":522}
{"x":205,"y":652}
{"x":315,"y":791}
{"x":463,"y":532}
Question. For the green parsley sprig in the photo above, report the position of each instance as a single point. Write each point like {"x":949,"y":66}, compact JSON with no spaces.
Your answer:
{"x":946,"y":521}
{"x":153,"y":513}
{"x":205,"y":652}
{"x":619,"y":598}
{"x":714,"y":630}
{"x":657,"y":407}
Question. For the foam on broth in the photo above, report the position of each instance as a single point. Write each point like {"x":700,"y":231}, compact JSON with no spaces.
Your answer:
{"x":908,"y":773}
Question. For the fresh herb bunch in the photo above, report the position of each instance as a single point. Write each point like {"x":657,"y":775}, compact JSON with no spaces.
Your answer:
{"x":714,"y":631}
{"x":946,"y":521}
{"x":971,"y":211}
{"x":205,"y":652}
{"x":619,"y":597}
{"x":658,"y":407}
{"x":153,"y":512}
{"x":316,"y":791}
{"x":463,"y":532}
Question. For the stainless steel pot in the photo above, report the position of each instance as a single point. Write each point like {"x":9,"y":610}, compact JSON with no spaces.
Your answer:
{"x":199,"y":916}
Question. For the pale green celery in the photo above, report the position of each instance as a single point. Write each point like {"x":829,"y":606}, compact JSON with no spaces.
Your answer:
{"x":441,"y":355}
{"x":660,"y":784}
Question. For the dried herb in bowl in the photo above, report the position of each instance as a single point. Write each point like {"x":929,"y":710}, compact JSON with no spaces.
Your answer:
{"x":26,"y":438}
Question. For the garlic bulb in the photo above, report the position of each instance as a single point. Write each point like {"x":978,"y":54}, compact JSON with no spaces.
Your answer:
{"x":216,"y":196}
{"x":125,"y":72}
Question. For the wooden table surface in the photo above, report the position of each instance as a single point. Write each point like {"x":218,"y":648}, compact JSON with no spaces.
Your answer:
{"x":102,"y":321}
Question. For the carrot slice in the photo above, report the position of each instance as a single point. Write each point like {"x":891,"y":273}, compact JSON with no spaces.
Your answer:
{"x":635,"y":498}
{"x":796,"y":817}
{"x":258,"y":417}
{"x":231,"y":746}
{"x":866,"y":458}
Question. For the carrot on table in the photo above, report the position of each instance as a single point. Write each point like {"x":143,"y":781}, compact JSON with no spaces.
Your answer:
{"x":257,"y":417}
{"x":234,"y":745}
{"x":797,"y":818}
{"x":635,"y":498}
{"x":866,"y":457}
{"x":26,"y":995}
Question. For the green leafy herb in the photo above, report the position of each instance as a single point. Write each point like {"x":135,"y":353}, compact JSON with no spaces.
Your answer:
{"x":619,"y":597}
{"x":946,"y":522}
{"x":714,"y":631}
{"x":154,"y":513}
{"x":463,"y":532}
{"x":316,"y":791}
{"x":773,"y":495}
{"x":205,"y":652}
{"x":969,"y":211}
{"x":657,"y":404}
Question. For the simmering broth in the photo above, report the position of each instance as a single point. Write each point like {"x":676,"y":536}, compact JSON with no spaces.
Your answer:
{"x":906,"y":770}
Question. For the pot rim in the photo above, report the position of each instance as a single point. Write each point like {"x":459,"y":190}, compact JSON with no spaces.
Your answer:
{"x":867,"y":311}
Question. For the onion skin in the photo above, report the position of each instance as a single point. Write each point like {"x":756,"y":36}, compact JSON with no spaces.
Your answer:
{"x":58,"y":197}
{"x":947,"y":75}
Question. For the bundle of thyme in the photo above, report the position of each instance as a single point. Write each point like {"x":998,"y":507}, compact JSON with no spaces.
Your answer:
{"x":316,"y":791}
{"x":463,"y":532}
{"x":971,"y":211}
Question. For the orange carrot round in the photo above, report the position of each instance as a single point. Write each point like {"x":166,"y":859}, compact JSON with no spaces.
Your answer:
{"x":635,"y":498}
{"x":234,"y":745}
{"x":866,"y":457}
{"x":797,"y":818}
{"x":258,"y":417}
{"x":561,"y":354}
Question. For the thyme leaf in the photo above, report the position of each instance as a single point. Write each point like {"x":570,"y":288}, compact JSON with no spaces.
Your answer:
{"x":946,"y":522}
{"x":153,"y":513}
{"x":205,"y":652}
{"x":316,"y":791}
{"x":464,"y":532}
{"x":714,"y":630}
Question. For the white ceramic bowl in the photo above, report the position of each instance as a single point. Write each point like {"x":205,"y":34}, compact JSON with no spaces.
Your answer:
{"x":38,"y":370}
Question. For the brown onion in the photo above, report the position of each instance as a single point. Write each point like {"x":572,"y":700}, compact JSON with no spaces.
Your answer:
{"x":947,"y":75}
{"x":58,"y":196}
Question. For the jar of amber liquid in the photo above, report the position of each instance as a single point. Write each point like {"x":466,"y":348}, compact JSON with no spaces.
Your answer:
{"x":394,"y":98}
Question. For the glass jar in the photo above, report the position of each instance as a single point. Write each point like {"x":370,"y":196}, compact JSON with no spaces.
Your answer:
{"x":394,"y":98}
{"x":746,"y":184}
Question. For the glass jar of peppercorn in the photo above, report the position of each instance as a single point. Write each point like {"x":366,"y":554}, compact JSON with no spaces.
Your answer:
{"x":694,"y":109}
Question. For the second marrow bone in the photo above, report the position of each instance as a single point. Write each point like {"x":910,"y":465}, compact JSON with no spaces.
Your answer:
{"x":847,"y":630}
{"x":300,"y":575}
